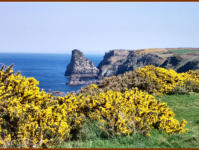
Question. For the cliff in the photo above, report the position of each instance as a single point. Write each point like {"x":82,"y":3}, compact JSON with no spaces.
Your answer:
{"x":111,"y":62}
{"x":131,"y":62}
{"x":119,"y":61}
{"x":82,"y":70}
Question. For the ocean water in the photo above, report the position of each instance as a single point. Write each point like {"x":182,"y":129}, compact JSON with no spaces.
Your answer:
{"x":48,"y":69}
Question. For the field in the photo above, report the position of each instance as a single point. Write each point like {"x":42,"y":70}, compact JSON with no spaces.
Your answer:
{"x":184,"y":106}
{"x":183,"y":51}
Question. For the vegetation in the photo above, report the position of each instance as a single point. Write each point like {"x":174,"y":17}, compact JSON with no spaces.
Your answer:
{"x":184,"y":106}
{"x":154,"y":80}
{"x":151,"y":50}
{"x":119,"y":109}
{"x":183,"y":51}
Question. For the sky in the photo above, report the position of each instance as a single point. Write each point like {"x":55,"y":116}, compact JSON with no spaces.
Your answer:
{"x":96,"y":27}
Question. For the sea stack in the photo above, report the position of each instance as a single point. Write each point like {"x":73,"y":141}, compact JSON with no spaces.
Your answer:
{"x":80,"y":69}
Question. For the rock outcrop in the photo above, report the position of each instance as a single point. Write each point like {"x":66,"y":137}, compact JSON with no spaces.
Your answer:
{"x":80,"y":65}
{"x":134,"y":61}
{"x":119,"y":61}
{"x":80,"y":69}
{"x":191,"y":65}
{"x":111,"y":62}
{"x":58,"y":93}
{"x":171,"y":62}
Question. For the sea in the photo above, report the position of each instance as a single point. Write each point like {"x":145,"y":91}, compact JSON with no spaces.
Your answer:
{"x":48,"y":69}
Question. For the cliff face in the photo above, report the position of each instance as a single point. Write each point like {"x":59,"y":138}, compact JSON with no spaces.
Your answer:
{"x":119,"y":61}
{"x":134,"y":61}
{"x":191,"y":65}
{"x":111,"y":62}
{"x":80,"y":65}
{"x":171,"y":62}
{"x":81,"y":70}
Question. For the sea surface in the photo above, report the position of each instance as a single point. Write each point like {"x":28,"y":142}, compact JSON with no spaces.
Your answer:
{"x":48,"y":69}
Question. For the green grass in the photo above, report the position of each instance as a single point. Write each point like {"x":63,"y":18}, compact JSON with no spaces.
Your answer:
{"x":183,"y":51}
{"x":184,"y":106}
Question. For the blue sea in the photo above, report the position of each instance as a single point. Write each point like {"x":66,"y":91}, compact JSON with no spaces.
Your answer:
{"x":48,"y":69}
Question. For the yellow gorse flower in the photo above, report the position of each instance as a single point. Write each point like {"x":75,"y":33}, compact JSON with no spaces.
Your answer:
{"x":30,"y":117}
{"x":154,"y":80}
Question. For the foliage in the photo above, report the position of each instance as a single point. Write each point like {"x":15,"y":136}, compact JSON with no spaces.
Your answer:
{"x":132,"y":111}
{"x":28,"y":115}
{"x":191,"y":80}
{"x":154,"y":80}
{"x":159,"y":80}
{"x":151,"y":50}
{"x":184,"y":106}
{"x":33,"y":118}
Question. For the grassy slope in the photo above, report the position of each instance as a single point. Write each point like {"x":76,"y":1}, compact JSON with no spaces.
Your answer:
{"x":184,"y":106}
{"x":183,"y":51}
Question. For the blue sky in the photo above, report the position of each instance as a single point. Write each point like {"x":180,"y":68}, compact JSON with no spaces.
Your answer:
{"x":96,"y":27}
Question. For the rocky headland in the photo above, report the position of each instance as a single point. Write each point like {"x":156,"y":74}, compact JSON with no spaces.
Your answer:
{"x":82,"y":71}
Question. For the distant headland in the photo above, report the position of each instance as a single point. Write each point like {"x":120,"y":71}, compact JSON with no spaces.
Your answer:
{"x":115,"y":62}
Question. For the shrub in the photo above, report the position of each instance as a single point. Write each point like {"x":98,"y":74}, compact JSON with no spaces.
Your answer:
{"x":191,"y":80}
{"x":125,"y":113}
{"x":33,"y":118}
{"x":159,"y":80}
{"x":28,"y":117}
{"x":132,"y":111}
{"x":154,"y":80}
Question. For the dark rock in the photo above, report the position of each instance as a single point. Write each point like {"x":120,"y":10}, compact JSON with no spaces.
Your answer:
{"x":149,"y":59}
{"x":119,"y":61}
{"x":82,"y":79}
{"x":171,"y":62}
{"x":80,"y":65}
{"x":58,"y":93}
{"x":81,"y":70}
{"x":134,"y":61}
{"x":191,"y":65}
{"x":112,"y":60}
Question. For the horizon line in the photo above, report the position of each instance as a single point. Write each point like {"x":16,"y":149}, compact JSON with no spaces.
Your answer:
{"x":68,"y":53}
{"x":48,"y":53}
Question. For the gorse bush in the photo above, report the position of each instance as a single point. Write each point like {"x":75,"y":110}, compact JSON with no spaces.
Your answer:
{"x":33,"y":118}
{"x":130,"y":112}
{"x":160,"y":80}
{"x":154,"y":80}
{"x":27,"y":115}
{"x":191,"y":80}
